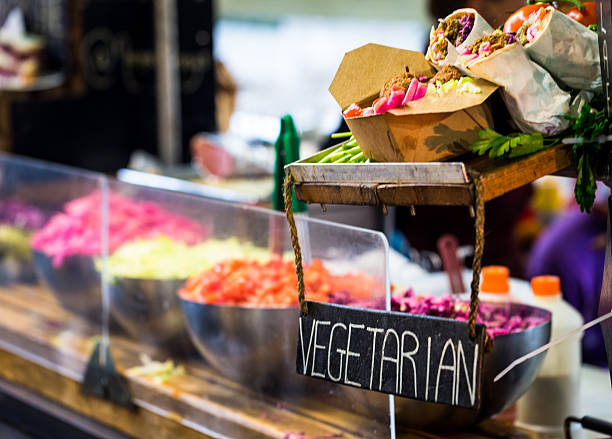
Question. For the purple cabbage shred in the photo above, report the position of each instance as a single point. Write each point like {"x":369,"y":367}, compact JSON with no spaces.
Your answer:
{"x":497,"y":318}
{"x":467,"y":23}
{"x":18,"y":214}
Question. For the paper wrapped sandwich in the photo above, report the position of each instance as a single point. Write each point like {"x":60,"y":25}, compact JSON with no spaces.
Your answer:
{"x":533,"y":98}
{"x":563,"y":46}
{"x":400,"y":110}
{"x":458,"y":30}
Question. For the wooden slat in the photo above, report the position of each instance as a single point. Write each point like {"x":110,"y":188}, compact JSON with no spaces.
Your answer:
{"x":499,"y":177}
{"x":331,"y":193}
{"x":449,"y":195}
{"x":390,"y":194}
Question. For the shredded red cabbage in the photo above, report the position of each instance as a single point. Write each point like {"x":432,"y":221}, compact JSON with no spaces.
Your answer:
{"x":467,"y":23}
{"x":496,"y":317}
{"x":18,"y":214}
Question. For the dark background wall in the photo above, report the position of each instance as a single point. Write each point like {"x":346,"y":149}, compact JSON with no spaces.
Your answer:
{"x":107,"y":106}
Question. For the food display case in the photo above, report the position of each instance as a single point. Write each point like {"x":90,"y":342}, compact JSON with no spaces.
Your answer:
{"x":51,"y":297}
{"x":197,"y":301}
{"x":130,"y":267}
{"x":206,"y":303}
{"x":160,"y":313}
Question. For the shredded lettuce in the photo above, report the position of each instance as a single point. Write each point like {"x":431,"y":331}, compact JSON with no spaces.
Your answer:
{"x":448,"y":85}
{"x":156,"y":370}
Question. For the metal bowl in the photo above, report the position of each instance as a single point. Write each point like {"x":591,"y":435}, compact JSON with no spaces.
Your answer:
{"x":15,"y":270}
{"x":75,"y":284}
{"x":257,"y":347}
{"x":16,"y":264}
{"x":252,"y":346}
{"x":495,"y":396}
{"x":149,"y":310}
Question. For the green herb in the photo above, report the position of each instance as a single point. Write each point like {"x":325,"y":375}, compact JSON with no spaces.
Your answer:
{"x":592,"y":27}
{"x":588,"y":125}
{"x":512,"y":145}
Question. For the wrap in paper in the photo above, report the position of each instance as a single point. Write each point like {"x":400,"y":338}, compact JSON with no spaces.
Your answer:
{"x":480,"y":28}
{"x":568,"y":50}
{"x":533,"y":98}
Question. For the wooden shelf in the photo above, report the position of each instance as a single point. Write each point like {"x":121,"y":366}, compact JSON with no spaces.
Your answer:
{"x":44,"y":349}
{"x":445,"y":183}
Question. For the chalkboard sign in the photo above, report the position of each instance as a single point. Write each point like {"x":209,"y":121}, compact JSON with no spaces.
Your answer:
{"x":418,"y":357}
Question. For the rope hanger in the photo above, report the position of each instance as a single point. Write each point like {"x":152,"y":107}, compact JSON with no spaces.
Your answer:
{"x":476,"y":264}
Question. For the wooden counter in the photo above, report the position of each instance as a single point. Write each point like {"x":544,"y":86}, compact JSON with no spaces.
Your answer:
{"x":44,"y":349}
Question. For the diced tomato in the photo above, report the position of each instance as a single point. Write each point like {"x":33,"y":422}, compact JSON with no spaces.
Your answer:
{"x":272,"y":283}
{"x":516,"y":20}
{"x":353,"y":110}
{"x":587,"y":16}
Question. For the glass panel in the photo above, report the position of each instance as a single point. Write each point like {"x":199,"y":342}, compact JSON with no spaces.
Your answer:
{"x":50,"y":240}
{"x":204,"y":312}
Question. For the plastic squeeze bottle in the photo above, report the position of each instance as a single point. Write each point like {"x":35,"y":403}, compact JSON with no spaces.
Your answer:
{"x":554,"y":394}
{"x":494,"y":286}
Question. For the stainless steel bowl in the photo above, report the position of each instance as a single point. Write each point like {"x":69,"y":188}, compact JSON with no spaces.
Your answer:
{"x":257,"y":347}
{"x":14,"y":270}
{"x":252,"y":346}
{"x":16,"y":266}
{"x":149,"y":310}
{"x":495,"y":396}
{"x":75,"y":284}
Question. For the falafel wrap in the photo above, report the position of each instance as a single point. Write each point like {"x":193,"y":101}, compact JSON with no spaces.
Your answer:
{"x":457,"y":30}
{"x":534,"y":100}
{"x":564,"y":47}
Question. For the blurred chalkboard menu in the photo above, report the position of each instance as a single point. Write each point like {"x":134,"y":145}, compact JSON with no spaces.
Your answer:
{"x":114,"y":112}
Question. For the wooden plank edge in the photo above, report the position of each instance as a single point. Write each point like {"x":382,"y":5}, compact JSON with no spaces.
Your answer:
{"x":65,"y":391}
{"x":337,"y":193}
{"x":389,"y":194}
{"x":514,"y":174}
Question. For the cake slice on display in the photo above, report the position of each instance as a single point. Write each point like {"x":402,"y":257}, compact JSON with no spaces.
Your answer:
{"x":20,"y":52}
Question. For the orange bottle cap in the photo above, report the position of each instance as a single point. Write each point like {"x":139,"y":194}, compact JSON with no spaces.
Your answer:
{"x":546,"y":285}
{"x":495,"y":279}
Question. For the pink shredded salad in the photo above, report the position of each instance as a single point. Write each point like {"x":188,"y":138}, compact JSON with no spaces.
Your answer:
{"x":76,"y":230}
